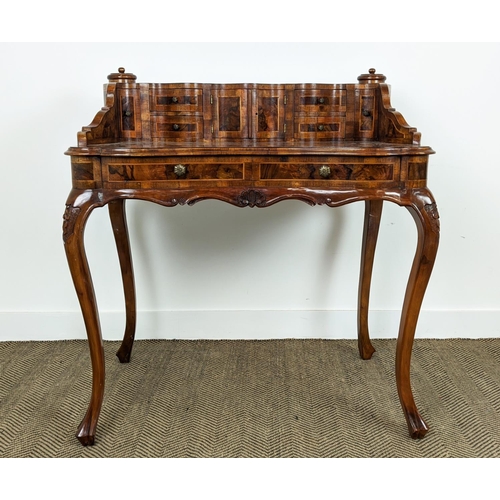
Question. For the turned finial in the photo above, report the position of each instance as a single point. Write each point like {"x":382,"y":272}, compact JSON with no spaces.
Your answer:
{"x":371,"y":77}
{"x":122,"y":77}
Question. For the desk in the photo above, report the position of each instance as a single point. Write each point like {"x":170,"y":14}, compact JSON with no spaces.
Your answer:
{"x":250,"y":145}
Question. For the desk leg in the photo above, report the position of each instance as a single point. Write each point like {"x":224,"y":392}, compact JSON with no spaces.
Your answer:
{"x":424,"y":211}
{"x":75,"y":218}
{"x":373,"y":213}
{"x":119,"y":223}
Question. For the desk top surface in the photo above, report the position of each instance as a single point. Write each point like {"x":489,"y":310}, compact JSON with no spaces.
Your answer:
{"x":248,"y":147}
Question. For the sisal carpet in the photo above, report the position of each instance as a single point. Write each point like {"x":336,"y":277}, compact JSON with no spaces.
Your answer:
{"x":245,"y":398}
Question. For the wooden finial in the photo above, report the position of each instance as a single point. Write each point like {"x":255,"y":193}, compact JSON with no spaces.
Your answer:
{"x":122,"y":77}
{"x":371,"y":77}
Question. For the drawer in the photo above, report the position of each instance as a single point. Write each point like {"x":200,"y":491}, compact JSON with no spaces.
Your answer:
{"x":317,"y":128}
{"x":177,"y":127}
{"x":344,"y":170}
{"x":180,"y":100}
{"x":313,"y":101}
{"x":172,"y":169}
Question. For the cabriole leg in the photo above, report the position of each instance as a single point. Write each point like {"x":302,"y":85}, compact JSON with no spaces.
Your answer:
{"x":424,"y":211}
{"x":75,"y":218}
{"x":373,"y":213}
{"x":120,"y":231}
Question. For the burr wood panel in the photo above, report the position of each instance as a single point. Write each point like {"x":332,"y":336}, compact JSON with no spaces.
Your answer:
{"x":231,"y":119}
{"x":136,"y":172}
{"x":268,"y":113}
{"x":326,"y":169}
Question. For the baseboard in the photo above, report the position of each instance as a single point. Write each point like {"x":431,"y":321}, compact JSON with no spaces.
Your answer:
{"x":247,"y":325}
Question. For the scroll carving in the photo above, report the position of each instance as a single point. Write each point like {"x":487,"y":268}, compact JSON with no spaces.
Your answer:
{"x":180,"y":201}
{"x":251,"y":198}
{"x":69,"y":219}
{"x":432,"y":211}
{"x":393,"y":127}
{"x":104,"y":124}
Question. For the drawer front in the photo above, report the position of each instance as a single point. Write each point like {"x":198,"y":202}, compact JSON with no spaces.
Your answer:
{"x":136,"y":173}
{"x":177,"y":127}
{"x":176,"y":100}
{"x":313,"y":101}
{"x":323,"y":127}
{"x":350,"y":169}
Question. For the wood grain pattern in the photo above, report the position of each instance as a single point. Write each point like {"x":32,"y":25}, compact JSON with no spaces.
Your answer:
{"x":339,"y":171}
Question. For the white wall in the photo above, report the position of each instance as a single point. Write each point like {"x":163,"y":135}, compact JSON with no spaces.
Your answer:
{"x":291,"y":269}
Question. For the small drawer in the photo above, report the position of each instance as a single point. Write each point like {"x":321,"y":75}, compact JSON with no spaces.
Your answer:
{"x":176,"y":127}
{"x":176,"y":100}
{"x":323,"y":127}
{"x":320,"y":101}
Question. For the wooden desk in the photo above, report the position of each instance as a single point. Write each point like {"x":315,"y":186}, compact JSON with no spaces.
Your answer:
{"x":250,"y":145}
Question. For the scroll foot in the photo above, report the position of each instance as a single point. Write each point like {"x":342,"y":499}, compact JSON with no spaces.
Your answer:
{"x":84,"y":434}
{"x":123,"y":353}
{"x":416,"y":425}
{"x":366,"y":350}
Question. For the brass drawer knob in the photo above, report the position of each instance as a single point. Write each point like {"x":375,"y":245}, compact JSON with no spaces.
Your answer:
{"x":180,"y":170}
{"x":325,"y":171}
{"x":176,"y":126}
{"x":175,"y":100}
{"x":321,"y":128}
{"x":321,"y":100}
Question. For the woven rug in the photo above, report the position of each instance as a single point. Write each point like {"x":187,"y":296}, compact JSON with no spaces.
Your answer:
{"x":246,"y":398}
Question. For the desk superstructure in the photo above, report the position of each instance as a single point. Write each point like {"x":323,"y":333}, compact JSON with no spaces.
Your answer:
{"x":250,"y":145}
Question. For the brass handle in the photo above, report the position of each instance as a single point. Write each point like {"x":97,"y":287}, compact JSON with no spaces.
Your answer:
{"x":325,"y":171}
{"x":127,"y":113}
{"x":175,"y":100}
{"x":321,"y":100}
{"x":366,"y":112}
{"x":180,"y":170}
{"x":176,"y":126}
{"x":321,"y":128}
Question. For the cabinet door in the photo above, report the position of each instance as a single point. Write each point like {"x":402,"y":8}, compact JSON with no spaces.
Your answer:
{"x":268,"y":113}
{"x":231,"y":113}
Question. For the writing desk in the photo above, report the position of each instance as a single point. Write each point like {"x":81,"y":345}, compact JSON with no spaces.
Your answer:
{"x":250,"y":145}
